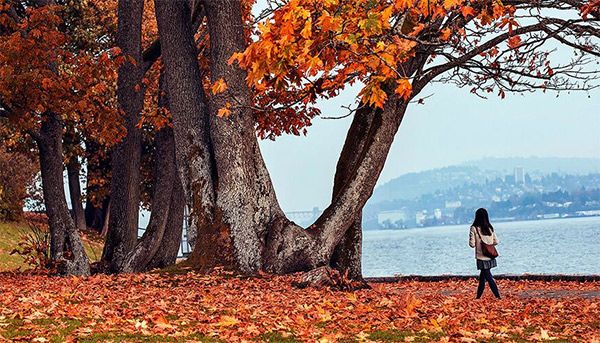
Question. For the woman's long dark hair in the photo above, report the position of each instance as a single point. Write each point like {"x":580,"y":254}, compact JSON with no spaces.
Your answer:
{"x":482,"y":221}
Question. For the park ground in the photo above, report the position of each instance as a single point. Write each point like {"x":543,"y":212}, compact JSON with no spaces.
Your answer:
{"x":220,"y":307}
{"x":185,"y":306}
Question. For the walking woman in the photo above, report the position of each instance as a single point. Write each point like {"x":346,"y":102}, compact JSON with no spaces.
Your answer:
{"x":485,"y":254}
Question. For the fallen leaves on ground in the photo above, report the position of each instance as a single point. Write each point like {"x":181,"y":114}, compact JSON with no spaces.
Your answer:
{"x":221,"y":307}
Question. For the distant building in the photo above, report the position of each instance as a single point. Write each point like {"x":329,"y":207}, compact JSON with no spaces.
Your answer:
{"x":519,"y":175}
{"x":437,"y":213}
{"x":509,"y":179}
{"x":392,"y":219}
{"x":453,"y":204}
{"x":421,"y":217}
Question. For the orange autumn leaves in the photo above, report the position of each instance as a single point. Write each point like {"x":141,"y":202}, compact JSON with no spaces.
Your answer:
{"x":314,"y":48}
{"x":193,"y":307}
{"x":47,"y":68}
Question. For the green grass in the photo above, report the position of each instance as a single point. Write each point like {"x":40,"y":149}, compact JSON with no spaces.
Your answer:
{"x":276,"y":337}
{"x":400,"y":336}
{"x":10,"y":236}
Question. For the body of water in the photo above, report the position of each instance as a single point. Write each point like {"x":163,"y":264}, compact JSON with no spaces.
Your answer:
{"x":558,"y":246}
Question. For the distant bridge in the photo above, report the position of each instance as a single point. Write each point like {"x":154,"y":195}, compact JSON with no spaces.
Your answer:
{"x":304,"y":218}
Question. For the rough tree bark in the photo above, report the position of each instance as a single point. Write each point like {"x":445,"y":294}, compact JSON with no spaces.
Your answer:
{"x":165,"y":175}
{"x":255,"y":233}
{"x":126,"y":158}
{"x":194,"y":157}
{"x":166,"y":254}
{"x":347,"y":255}
{"x":63,"y":232}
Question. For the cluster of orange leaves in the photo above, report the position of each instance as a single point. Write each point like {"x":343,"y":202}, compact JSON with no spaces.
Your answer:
{"x":43,"y":70}
{"x":220,"y":306}
{"x":313,"y":48}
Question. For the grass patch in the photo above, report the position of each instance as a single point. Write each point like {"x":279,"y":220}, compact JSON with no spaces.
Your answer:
{"x":134,"y":337}
{"x":400,"y":336}
{"x":276,"y":337}
{"x":10,"y":236}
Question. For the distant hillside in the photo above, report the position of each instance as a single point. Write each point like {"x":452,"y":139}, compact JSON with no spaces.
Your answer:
{"x":543,"y":165}
{"x":413,"y":185}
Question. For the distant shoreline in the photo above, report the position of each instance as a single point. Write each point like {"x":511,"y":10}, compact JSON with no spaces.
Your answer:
{"x":493,"y":220}
{"x":512,"y":277}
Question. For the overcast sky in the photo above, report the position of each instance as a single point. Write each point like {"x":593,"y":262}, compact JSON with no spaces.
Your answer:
{"x":452,"y":126}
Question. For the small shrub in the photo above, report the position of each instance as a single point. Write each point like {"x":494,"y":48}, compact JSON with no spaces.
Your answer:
{"x":34,"y":247}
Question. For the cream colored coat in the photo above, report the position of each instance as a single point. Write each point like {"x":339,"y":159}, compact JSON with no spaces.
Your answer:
{"x":475,"y":242}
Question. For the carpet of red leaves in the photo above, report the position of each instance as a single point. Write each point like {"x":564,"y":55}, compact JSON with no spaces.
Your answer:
{"x":221,"y":307}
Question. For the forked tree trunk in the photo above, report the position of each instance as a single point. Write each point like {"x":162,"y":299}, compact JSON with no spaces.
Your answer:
{"x":126,"y":158}
{"x":194,"y":156}
{"x":62,"y":229}
{"x":245,"y":213}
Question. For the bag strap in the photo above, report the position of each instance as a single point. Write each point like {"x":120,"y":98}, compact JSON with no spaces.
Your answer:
{"x":479,"y":234}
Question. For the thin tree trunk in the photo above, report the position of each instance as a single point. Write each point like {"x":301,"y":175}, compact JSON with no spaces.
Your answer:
{"x":97,"y":168}
{"x":166,"y":254}
{"x":106,"y":220}
{"x":126,"y":159}
{"x":165,"y":173}
{"x":62,"y":228}
{"x":73,"y":169}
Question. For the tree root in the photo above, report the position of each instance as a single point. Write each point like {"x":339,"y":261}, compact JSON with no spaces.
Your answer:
{"x":327,"y":277}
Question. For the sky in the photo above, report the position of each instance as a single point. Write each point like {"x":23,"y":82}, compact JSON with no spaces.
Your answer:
{"x":453,"y":126}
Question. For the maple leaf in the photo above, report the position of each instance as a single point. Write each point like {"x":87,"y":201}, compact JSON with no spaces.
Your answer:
{"x":218,"y":86}
{"x":467,"y":11}
{"x":226,"y":321}
{"x":225,"y":111}
{"x":162,"y":322}
{"x":403,"y":88}
{"x":448,"y":4}
{"x":514,"y":42}
{"x":446,"y":33}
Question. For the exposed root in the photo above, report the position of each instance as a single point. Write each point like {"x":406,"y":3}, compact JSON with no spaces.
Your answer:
{"x":327,"y":277}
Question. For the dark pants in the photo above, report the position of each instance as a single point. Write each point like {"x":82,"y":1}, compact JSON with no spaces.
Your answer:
{"x":486,"y":275}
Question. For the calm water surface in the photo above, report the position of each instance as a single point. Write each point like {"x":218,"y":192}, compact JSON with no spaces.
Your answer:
{"x":559,"y":246}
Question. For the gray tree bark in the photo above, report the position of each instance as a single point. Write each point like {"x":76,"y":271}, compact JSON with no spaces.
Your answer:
{"x":63,"y":232}
{"x":166,"y":254}
{"x":126,"y":158}
{"x":253,"y":231}
{"x":165,"y":173}
{"x":195,"y":159}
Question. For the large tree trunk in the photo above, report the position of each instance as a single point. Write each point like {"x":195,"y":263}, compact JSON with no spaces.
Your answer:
{"x":245,"y":199}
{"x":348,"y":253}
{"x":194,"y":156}
{"x":245,"y":214}
{"x":126,"y":158}
{"x":62,"y":229}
